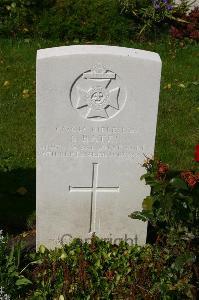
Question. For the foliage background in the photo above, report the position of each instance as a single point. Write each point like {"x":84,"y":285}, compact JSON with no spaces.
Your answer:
{"x":64,"y":19}
{"x":112,"y":20}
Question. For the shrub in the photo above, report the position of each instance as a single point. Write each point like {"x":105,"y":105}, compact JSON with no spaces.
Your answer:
{"x":190,"y":29}
{"x":153,"y":15}
{"x":85,"y":20}
{"x":18,"y":16}
{"x":100,"y":270}
{"x":65,"y":19}
{"x":173,"y":206}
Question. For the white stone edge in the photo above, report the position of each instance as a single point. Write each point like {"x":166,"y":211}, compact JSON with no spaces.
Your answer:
{"x":96,"y":49}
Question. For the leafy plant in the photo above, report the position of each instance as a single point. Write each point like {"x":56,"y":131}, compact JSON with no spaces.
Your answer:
{"x":173,"y":206}
{"x":80,"y":20}
{"x":85,"y":20}
{"x":153,"y":14}
{"x":190,"y":29}
{"x":18,"y":16}
{"x":100,"y":270}
{"x":11,"y":279}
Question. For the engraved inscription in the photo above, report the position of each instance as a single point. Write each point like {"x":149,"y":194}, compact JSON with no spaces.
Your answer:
{"x":94,"y":189}
{"x":98,"y":94}
{"x":94,"y":142}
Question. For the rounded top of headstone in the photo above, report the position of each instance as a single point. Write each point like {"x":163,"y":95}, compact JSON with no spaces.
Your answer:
{"x":97,"y":50}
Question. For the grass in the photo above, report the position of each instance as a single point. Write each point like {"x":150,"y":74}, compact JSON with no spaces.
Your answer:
{"x":177,"y":128}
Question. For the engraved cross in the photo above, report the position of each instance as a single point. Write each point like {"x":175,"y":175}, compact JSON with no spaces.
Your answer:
{"x":94,"y":189}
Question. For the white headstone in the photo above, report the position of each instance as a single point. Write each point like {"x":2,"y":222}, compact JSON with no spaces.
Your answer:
{"x":96,"y":118}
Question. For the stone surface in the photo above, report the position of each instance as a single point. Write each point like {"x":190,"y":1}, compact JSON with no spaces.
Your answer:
{"x":96,"y":118}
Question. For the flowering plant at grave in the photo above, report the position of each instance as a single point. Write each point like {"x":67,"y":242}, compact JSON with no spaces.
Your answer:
{"x":102,"y":270}
{"x":163,"y":5}
{"x":173,"y":206}
{"x":151,"y":14}
{"x":189,"y":29}
{"x":190,"y":178}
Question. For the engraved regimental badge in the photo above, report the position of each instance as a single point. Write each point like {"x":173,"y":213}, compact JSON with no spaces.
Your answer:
{"x":98,"y":94}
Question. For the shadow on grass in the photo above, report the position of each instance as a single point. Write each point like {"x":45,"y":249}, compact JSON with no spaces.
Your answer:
{"x":17,"y":199}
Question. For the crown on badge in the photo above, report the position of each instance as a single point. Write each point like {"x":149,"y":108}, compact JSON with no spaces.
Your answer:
{"x":98,"y":71}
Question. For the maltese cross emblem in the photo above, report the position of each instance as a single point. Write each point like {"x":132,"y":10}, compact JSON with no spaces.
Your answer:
{"x":97,"y":94}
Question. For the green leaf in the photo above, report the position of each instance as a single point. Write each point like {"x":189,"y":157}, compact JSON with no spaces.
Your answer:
{"x":184,"y":258}
{"x":178,"y":183}
{"x":147,"y":203}
{"x":181,"y":85}
{"x":143,"y":177}
{"x":98,"y":263}
{"x":195,"y":82}
{"x":143,"y":216}
{"x":23,"y":281}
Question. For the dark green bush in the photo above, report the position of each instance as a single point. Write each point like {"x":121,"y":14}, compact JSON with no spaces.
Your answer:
{"x":155,"y":15}
{"x":100,"y":270}
{"x":17,"y":17}
{"x":80,"y":20}
{"x":85,"y":20}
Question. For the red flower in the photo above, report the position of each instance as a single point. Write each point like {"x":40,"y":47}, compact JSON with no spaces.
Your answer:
{"x":190,"y":27}
{"x":109,"y":275}
{"x":192,"y":182}
{"x":176,"y":33}
{"x":195,"y":35}
{"x":197,"y":153}
{"x":190,"y":178}
{"x":162,"y":169}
